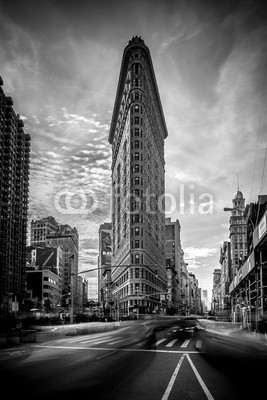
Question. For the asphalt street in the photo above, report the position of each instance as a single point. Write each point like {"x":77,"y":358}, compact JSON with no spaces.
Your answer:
{"x":125,"y":364}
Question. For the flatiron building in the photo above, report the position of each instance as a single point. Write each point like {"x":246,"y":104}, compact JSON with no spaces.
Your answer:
{"x":137,"y":134}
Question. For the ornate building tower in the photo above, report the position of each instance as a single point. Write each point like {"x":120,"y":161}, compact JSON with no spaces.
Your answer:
{"x":137,"y":136}
{"x":238,"y":232}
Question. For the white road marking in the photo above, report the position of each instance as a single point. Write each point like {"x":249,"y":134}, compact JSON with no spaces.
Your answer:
{"x":171,"y":343}
{"x":79,"y":360}
{"x":199,"y":344}
{"x":160,"y":341}
{"x":200,"y":380}
{"x":107,"y":354}
{"x":117,"y":341}
{"x":94,"y":342}
{"x":128,"y":349}
{"x":104,"y":340}
{"x":186,"y":342}
{"x":174,"y":375}
{"x":83,"y":340}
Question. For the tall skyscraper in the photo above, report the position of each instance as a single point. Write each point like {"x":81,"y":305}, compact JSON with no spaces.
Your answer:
{"x":137,"y":135}
{"x":14,"y":195}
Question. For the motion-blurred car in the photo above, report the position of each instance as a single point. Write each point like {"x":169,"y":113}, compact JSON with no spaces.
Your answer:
{"x":226,"y":340}
{"x":187,"y":324}
{"x":211,"y":318}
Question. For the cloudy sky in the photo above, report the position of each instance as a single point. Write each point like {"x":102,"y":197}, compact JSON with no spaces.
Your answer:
{"x":60,"y":62}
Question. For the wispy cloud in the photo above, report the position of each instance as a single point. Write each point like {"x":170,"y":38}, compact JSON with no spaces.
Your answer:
{"x":61,"y":64}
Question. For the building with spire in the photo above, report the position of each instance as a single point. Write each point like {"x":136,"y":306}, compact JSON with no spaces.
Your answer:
{"x":137,"y":135}
{"x":248,"y":289}
{"x":238,"y":232}
{"x":14,"y":196}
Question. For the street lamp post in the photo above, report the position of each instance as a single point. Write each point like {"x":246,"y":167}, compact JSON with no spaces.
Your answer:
{"x":238,"y":209}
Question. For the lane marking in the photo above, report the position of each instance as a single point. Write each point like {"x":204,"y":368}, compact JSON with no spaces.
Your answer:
{"x":116,"y":341}
{"x":186,"y":342}
{"x":171,"y":343}
{"x":200,"y":380}
{"x":84,"y":340}
{"x":97,"y":341}
{"x":124,"y":349}
{"x":79,"y":360}
{"x":107,"y":354}
{"x":174,"y":375}
{"x":160,"y":341}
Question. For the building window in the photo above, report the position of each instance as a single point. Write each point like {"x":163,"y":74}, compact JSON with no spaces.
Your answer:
{"x":136,"y":120}
{"x":137,"y":244}
{"x":136,"y":144}
{"x":136,"y":156}
{"x":136,"y":259}
{"x":137,"y":270}
{"x":136,"y":132}
{"x":136,"y":230}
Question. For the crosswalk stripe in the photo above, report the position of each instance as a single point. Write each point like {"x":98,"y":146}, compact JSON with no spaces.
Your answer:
{"x":186,"y":342}
{"x":83,"y":340}
{"x":160,"y":341}
{"x":104,"y":340}
{"x":116,"y":341}
{"x":199,"y":344}
{"x":171,"y":343}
